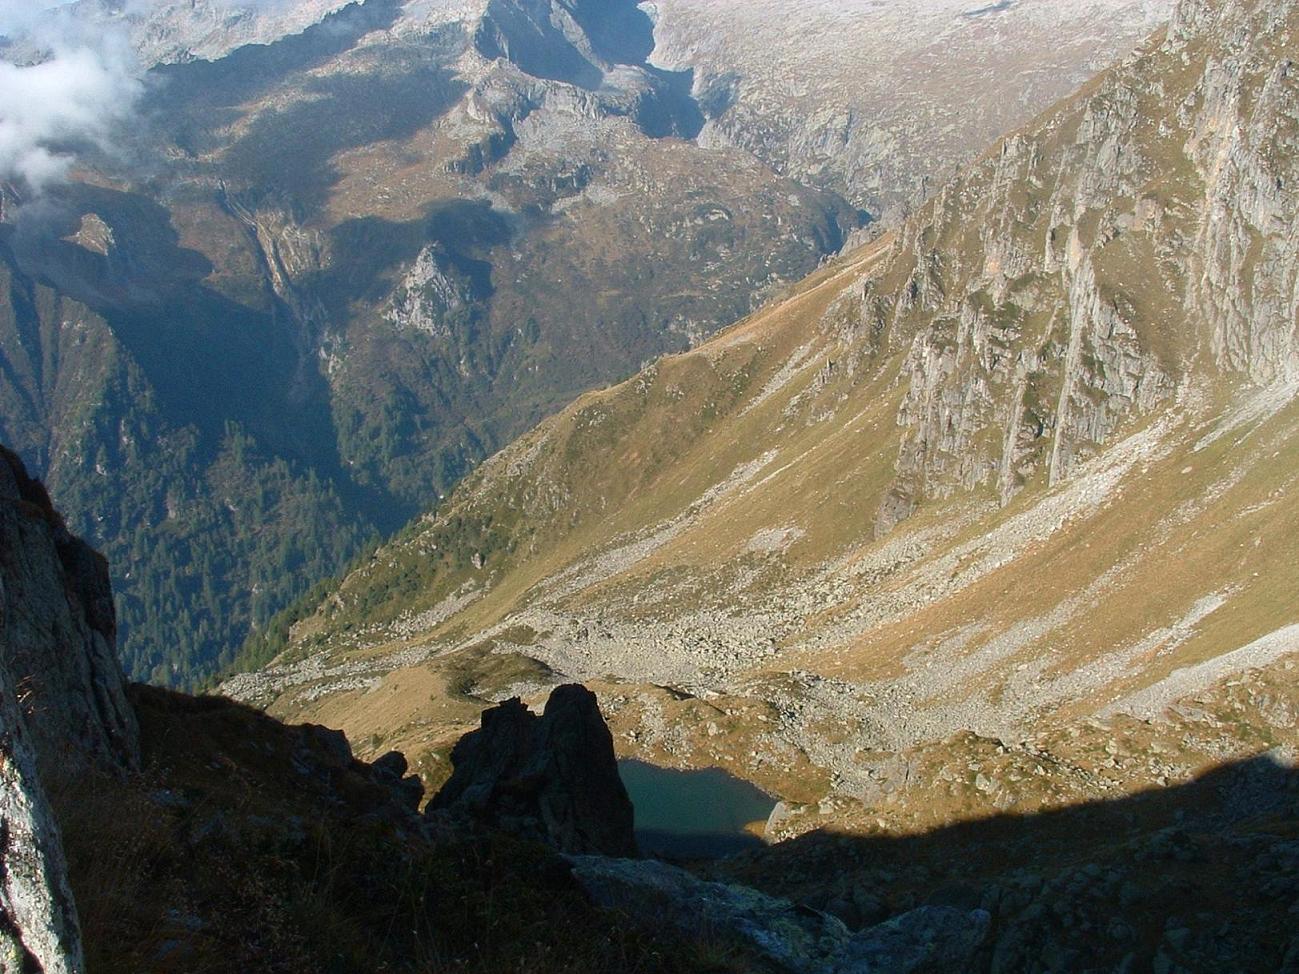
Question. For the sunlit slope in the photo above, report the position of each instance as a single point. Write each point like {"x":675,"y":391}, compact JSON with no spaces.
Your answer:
{"x":1029,"y":461}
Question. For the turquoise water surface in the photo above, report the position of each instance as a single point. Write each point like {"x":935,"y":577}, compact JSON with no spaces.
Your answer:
{"x":693,"y":814}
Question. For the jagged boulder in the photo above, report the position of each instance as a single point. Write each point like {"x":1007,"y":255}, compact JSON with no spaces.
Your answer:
{"x":58,"y":633}
{"x":391,"y":769}
{"x":553,"y":777}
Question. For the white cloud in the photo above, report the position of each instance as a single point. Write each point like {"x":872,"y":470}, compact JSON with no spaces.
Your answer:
{"x":87,"y":84}
{"x":77,"y":97}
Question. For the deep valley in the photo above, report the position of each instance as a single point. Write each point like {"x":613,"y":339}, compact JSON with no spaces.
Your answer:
{"x":751,"y":486}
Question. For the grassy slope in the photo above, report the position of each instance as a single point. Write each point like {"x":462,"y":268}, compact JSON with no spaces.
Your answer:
{"x":971,"y":613}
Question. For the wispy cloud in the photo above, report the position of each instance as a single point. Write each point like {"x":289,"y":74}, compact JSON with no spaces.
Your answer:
{"x":49,"y":112}
{"x":82,"y":87}
{"x":77,"y":82}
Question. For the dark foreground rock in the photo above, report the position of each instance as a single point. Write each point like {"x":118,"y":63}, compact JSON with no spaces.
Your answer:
{"x":248,"y":845}
{"x":553,"y":777}
{"x":927,"y":940}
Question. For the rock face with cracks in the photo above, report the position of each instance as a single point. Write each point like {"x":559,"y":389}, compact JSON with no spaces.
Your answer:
{"x":58,"y":631}
{"x":38,"y":921}
{"x":63,"y":709}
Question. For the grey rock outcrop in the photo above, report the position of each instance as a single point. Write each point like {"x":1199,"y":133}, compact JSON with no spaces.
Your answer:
{"x":553,"y":778}
{"x":38,"y":920}
{"x":796,"y":939}
{"x":1092,"y":270}
{"x":1245,"y":260}
{"x":63,"y":709}
{"x":58,"y":633}
{"x":927,"y":940}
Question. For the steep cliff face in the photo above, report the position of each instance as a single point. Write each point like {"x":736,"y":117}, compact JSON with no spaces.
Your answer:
{"x":1241,"y":138}
{"x":38,"y":920}
{"x":59,"y":632}
{"x":1087,"y":270}
{"x":63,"y":713}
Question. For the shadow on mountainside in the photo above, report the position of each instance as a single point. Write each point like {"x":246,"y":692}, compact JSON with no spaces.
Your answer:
{"x":209,"y":358}
{"x":291,"y":150}
{"x":247,"y":844}
{"x":1202,"y":876}
{"x":278,"y":118}
{"x":620,"y":31}
{"x":370,"y":250}
{"x":619,"y":34}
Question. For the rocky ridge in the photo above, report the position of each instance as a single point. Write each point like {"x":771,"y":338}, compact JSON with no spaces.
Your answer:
{"x":553,"y":777}
{"x":56,"y":593}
